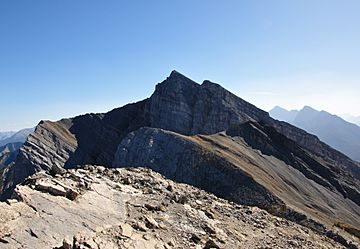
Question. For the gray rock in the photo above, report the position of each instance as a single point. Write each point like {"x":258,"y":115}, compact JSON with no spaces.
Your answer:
{"x":150,"y":222}
{"x":104,"y":217}
{"x":183,"y":106}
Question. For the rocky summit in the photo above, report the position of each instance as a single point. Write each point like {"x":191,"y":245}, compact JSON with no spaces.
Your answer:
{"x":204,"y":136}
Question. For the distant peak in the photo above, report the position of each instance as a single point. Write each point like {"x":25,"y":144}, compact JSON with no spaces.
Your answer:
{"x":308,"y":108}
{"x":278,"y":108}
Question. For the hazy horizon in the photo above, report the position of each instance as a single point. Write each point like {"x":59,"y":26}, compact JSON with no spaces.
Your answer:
{"x":62,"y":59}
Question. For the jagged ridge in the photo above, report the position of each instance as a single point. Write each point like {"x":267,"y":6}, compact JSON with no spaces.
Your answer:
{"x":186,"y":108}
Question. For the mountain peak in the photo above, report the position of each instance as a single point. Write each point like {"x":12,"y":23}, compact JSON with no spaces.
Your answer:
{"x":308,"y":108}
{"x":278,"y":108}
{"x":181,"y":105}
{"x":175,"y":82}
{"x":175,"y":75}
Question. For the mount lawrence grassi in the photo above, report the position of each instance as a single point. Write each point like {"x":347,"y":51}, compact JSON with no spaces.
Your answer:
{"x":204,"y":136}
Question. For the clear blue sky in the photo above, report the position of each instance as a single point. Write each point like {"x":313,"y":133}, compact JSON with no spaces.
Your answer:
{"x":61,"y":58}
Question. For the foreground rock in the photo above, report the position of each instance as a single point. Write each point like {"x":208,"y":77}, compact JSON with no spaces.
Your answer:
{"x":100,"y":208}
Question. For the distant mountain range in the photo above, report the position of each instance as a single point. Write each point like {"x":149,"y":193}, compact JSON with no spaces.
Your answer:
{"x":14,"y":137}
{"x":10,"y":143}
{"x":333,"y":130}
{"x":7,"y":134}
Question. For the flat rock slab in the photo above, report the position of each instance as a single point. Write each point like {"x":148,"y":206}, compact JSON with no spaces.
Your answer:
{"x":137,"y":208}
{"x":43,"y":220}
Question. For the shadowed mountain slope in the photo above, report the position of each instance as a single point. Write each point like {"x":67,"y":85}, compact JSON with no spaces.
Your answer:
{"x":284,"y":115}
{"x":208,"y":137}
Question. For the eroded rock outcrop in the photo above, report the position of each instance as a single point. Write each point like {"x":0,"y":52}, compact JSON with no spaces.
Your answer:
{"x":137,"y":208}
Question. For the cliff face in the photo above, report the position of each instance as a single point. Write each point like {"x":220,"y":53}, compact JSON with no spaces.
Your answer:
{"x":205,"y":136}
{"x":181,"y":105}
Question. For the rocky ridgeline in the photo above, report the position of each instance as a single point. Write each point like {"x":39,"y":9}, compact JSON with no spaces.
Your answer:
{"x":94,"y":207}
{"x":178,"y":104}
{"x":205,"y":136}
